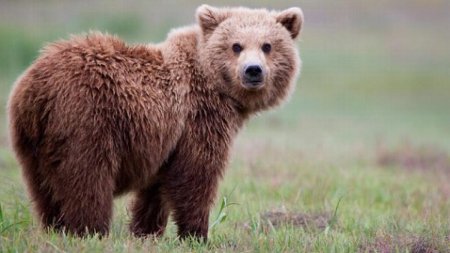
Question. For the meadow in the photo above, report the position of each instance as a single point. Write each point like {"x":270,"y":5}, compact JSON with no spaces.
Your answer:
{"x":357,"y":161}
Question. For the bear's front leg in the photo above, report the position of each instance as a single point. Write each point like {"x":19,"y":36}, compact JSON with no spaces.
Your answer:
{"x":192,"y":176}
{"x":191,"y":191}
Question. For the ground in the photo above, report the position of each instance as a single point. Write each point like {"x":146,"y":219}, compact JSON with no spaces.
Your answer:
{"x":358,"y":161}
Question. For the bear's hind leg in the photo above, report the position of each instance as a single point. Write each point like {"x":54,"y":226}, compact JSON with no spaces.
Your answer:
{"x":42,"y":197}
{"x":150,"y":212}
{"x":46,"y":208}
{"x":85,"y":212}
{"x":86,"y":205}
{"x":48,"y":211}
{"x":84,"y":187}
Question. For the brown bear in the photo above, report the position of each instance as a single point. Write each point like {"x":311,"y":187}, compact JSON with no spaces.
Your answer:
{"x":93,"y":118}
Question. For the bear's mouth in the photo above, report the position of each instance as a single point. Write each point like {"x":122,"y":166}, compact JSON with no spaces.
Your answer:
{"x":253,"y":85}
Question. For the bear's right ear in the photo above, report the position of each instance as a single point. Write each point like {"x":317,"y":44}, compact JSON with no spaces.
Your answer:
{"x":292,"y":20}
{"x":209,"y":18}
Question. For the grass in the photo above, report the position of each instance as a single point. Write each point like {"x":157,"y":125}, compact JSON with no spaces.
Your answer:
{"x":370,"y":205}
{"x":357,"y":161}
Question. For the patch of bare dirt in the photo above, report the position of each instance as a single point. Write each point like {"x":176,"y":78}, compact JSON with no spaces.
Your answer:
{"x":413,"y":244}
{"x":305,"y":220}
{"x":409,"y":157}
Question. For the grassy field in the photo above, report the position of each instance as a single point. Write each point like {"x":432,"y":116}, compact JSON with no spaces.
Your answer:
{"x":357,"y":161}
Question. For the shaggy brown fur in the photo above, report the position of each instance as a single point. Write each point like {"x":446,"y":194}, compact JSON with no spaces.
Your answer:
{"x":93,"y":118}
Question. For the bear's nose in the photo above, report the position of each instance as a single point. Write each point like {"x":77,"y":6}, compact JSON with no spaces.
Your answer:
{"x":253,"y":73}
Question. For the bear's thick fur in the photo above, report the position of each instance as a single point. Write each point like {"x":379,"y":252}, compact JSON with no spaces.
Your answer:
{"x":94,"y":118}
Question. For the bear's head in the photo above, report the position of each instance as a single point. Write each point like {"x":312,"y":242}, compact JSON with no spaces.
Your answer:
{"x":250,"y":55}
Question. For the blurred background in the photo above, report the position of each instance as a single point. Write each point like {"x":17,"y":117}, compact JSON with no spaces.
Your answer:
{"x":374,"y":71}
{"x":374,"y":93}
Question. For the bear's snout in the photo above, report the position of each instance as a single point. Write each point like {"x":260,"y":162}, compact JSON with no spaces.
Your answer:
{"x":253,"y":76}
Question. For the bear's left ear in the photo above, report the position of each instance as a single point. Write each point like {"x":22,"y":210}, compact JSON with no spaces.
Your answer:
{"x":292,"y":20}
{"x":209,"y":18}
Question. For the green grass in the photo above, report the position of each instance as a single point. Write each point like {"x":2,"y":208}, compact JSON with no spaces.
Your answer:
{"x":357,"y":161}
{"x":374,"y":203}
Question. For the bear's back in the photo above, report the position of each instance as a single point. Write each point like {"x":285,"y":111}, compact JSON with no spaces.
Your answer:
{"x":104,"y":55}
{"x":97,"y":65}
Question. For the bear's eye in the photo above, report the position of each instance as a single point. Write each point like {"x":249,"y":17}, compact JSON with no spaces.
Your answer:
{"x":236,"y":48}
{"x":266,"y":48}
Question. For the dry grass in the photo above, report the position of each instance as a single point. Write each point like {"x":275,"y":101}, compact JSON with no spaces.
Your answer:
{"x":411,"y":157}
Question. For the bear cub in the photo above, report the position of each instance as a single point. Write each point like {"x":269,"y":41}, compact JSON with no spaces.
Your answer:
{"x":93,"y":118}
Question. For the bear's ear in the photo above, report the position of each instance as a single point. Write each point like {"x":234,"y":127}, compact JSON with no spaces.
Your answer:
{"x":291,"y":19}
{"x":209,"y":18}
